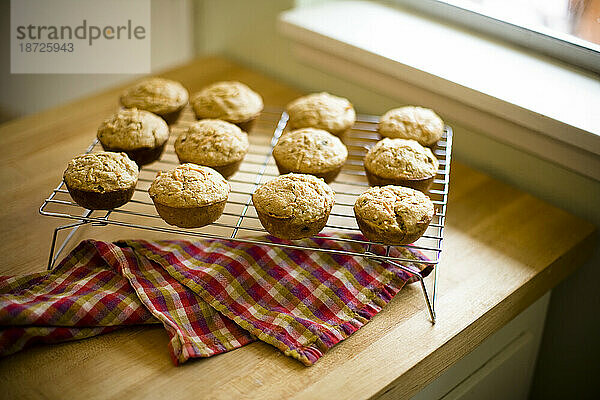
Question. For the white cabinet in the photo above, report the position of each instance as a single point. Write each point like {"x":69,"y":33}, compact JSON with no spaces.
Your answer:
{"x":501,"y":367}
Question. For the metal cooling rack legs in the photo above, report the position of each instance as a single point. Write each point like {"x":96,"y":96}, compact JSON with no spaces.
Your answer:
{"x":74,"y":227}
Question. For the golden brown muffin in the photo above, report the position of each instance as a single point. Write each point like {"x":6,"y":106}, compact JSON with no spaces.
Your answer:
{"x":323,"y":111}
{"x":310,"y":151}
{"x":139,"y":133}
{"x":213,"y":143}
{"x":189,"y":196}
{"x":163,"y":97}
{"x":230,"y":101}
{"x":401,"y":162}
{"x":410,"y":122}
{"x":294,"y":206}
{"x":101,"y":181}
{"x":393,"y":214}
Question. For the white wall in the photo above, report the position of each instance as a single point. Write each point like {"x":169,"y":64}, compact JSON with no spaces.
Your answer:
{"x":171,"y":44}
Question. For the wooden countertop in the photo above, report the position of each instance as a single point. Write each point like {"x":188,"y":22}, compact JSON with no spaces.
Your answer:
{"x":503,"y":249}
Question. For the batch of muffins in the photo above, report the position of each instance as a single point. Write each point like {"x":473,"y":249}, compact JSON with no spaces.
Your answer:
{"x":400,"y":168}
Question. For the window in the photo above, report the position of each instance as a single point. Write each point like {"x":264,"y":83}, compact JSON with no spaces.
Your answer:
{"x":565,"y":29}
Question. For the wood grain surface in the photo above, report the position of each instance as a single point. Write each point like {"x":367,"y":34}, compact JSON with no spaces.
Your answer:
{"x":503,"y":249}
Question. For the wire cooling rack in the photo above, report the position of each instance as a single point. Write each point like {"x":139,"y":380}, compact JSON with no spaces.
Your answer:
{"x":240,"y":222}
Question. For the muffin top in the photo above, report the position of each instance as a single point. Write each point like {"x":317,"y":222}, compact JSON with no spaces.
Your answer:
{"x":212,"y":142}
{"x":189,"y":185}
{"x":417,"y":123}
{"x":310,"y":150}
{"x":131,"y":129}
{"x":295,"y":196}
{"x":321,"y":110}
{"x":401,"y":158}
{"x":397,"y":210}
{"x":101,"y":172}
{"x":157,"y":95}
{"x":231,"y":101}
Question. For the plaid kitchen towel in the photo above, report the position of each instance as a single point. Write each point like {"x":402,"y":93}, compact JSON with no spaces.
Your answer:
{"x":195,"y":328}
{"x":212,"y":295}
{"x":82,"y":297}
{"x":100,"y":287}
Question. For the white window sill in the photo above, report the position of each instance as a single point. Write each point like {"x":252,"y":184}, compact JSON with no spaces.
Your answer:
{"x":529,"y":101}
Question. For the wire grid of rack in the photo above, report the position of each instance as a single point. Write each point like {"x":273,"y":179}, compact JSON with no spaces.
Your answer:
{"x":239,"y":221}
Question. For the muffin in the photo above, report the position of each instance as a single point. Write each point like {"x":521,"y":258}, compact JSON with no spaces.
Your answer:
{"x":230,"y":101}
{"x":139,"y":133}
{"x":323,"y":111}
{"x":393,"y":214}
{"x":310,"y":151}
{"x":189,"y":196}
{"x":101,"y":181}
{"x":213,"y":143}
{"x":293,"y":206}
{"x":416,"y":123}
{"x":160,"y":96}
{"x":401,"y":162}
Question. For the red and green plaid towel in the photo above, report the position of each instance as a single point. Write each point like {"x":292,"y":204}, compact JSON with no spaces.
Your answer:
{"x":212,"y":296}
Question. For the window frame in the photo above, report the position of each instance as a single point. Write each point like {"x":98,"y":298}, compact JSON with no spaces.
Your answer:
{"x":568,"y":48}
